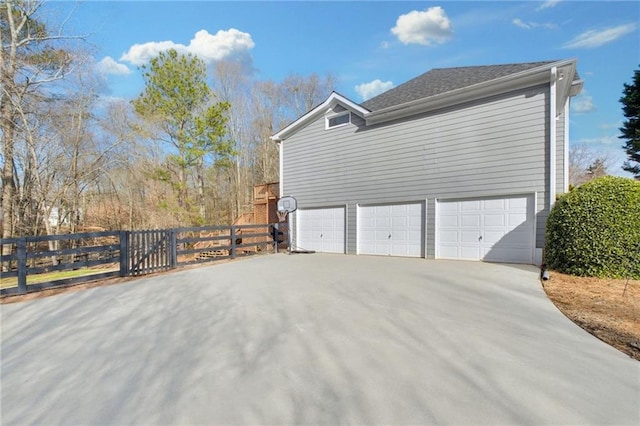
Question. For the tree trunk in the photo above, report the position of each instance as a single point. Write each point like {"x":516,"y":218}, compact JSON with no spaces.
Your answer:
{"x":8,"y":184}
{"x":201,"y":197}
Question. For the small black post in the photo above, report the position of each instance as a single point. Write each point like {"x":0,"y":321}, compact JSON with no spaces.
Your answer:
{"x":173,"y":249}
{"x":275,"y":234}
{"x":124,"y":253}
{"x":233,"y":242}
{"x":21,"y":256}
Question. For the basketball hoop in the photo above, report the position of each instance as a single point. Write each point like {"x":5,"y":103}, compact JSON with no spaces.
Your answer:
{"x":282,"y":215}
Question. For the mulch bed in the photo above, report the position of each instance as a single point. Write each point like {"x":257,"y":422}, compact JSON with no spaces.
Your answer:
{"x":607,"y":308}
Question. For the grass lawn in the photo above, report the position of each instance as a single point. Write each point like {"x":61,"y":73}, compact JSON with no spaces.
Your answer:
{"x":600,"y":306}
{"x":50,"y":276}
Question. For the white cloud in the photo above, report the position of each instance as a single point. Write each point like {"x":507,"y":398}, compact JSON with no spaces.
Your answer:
{"x":384,"y":45}
{"x":603,"y":140}
{"x":230,"y":44}
{"x":109,"y":66}
{"x":373,"y":88}
{"x":424,"y":27}
{"x":140,"y":54}
{"x":596,"y":38}
{"x":582,"y":104}
{"x":531,"y":25}
{"x":547,"y":4}
{"x":518,"y":23}
{"x":223,"y":45}
{"x":607,"y":126}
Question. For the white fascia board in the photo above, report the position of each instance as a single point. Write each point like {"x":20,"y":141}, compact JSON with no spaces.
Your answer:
{"x":333,"y":100}
{"x":576,"y":88}
{"x":565,"y":85}
{"x":531,"y":77}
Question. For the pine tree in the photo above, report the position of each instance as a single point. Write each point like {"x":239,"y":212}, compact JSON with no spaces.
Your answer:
{"x":631,"y":126}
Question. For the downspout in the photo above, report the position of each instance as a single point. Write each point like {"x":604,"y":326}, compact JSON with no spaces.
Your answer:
{"x":552,"y":138}
{"x":280,"y":168}
{"x":566,"y":144}
{"x":281,"y":190}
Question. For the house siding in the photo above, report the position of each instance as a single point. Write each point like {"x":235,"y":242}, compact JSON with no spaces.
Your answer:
{"x":495,"y":146}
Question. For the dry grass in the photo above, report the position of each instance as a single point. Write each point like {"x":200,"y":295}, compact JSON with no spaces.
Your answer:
{"x":37,"y":294}
{"x":600,"y":306}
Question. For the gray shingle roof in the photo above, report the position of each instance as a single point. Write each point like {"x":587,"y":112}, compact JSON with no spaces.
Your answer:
{"x":441,"y":80}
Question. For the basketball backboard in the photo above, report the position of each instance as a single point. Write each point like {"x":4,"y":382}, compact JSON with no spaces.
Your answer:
{"x":288,"y":204}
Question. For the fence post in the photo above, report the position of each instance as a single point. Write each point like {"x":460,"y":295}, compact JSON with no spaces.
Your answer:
{"x":275,"y":235}
{"x":173,"y":249}
{"x":233,"y":242}
{"x":21,"y":256}
{"x":124,"y":253}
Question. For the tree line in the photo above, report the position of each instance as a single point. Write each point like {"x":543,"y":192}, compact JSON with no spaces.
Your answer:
{"x":186,"y":151}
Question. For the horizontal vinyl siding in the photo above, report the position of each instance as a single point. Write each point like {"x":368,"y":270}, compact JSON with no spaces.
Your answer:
{"x":494,"y":147}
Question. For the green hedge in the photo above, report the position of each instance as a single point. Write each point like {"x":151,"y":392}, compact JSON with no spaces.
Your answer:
{"x":594,"y":230}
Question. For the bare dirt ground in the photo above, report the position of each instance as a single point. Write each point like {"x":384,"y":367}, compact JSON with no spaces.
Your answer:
{"x":600,"y":306}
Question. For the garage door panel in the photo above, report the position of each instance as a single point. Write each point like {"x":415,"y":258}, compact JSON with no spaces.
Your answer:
{"x":399,"y":222}
{"x":470,"y":253}
{"x":492,"y":237}
{"x":517,"y":203}
{"x":450,"y":252}
{"x":381,"y":235}
{"x":498,"y":229}
{"x":493,"y":205}
{"x":367,"y":222}
{"x":449,"y":237}
{"x":494,"y":219}
{"x":516,"y":219}
{"x":470,"y":220}
{"x":394,"y":229}
{"x":447,"y":221}
{"x":469,"y":236}
{"x":448,"y":208}
{"x":466,"y":206}
{"x":511,"y":255}
{"x":321,"y":229}
{"x":383,"y":222}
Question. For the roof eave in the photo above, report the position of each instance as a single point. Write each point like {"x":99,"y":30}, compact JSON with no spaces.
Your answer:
{"x":576,"y":87}
{"x":533,"y":76}
{"x":333,"y":99}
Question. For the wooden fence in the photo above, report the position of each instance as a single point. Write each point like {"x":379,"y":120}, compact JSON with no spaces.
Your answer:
{"x":130,"y":253}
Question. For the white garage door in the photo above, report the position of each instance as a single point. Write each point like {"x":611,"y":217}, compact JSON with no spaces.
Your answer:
{"x":391,"y":230}
{"x":493,"y":229}
{"x":321,"y":230}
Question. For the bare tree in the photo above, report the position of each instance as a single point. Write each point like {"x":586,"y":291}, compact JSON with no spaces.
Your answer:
{"x":32,"y":57}
{"x":586,"y":164}
{"x":232,"y":84}
{"x":301,"y":94}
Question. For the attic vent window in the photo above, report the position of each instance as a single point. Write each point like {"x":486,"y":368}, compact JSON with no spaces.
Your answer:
{"x":338,"y":120}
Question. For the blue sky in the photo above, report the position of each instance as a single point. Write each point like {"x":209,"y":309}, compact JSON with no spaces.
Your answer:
{"x":372,"y":46}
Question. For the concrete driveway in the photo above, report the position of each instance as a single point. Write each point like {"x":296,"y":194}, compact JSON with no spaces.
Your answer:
{"x":312,"y":339}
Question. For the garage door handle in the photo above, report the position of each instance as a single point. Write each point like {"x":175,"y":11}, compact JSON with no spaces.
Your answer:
{"x":480,"y":238}
{"x":389,"y":236}
{"x":320,"y":235}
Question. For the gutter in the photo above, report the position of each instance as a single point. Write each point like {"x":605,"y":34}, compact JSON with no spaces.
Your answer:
{"x":504,"y":84}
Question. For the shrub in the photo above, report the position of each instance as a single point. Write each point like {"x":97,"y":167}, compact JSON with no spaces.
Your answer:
{"x":594,"y":230}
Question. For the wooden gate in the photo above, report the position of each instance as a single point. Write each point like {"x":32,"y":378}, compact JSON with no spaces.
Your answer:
{"x":150,"y":251}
